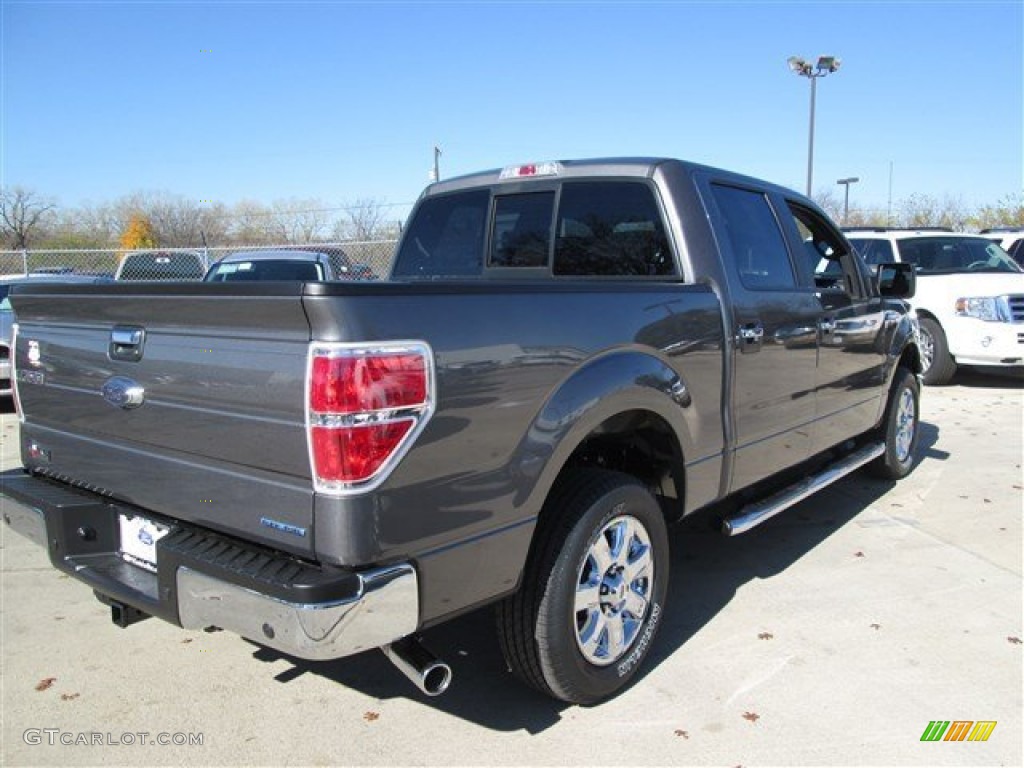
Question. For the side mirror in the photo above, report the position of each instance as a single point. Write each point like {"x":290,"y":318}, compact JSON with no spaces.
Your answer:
{"x":896,"y":280}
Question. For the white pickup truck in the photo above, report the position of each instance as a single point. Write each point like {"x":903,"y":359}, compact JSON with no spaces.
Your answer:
{"x":969,"y":300}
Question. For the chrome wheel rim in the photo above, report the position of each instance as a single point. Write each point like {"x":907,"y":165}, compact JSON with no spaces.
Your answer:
{"x":927,"y":349}
{"x":906,"y":424}
{"x":614,"y":585}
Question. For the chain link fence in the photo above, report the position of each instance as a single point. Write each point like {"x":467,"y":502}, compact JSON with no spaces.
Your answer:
{"x":370,"y":259}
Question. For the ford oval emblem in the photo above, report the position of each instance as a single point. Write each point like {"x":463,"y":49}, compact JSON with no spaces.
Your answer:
{"x":122,"y":392}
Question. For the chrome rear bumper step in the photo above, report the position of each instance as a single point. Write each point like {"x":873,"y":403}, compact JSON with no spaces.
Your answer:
{"x":757,"y":512}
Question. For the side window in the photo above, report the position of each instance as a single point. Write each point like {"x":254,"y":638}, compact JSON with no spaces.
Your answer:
{"x":832,"y":263}
{"x":446,"y":238}
{"x":610,"y":228}
{"x":521,"y":231}
{"x":874,"y":251}
{"x":758,"y":247}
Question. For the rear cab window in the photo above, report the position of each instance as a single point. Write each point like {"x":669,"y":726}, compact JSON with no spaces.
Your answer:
{"x":601,"y":228}
{"x":283,"y":269}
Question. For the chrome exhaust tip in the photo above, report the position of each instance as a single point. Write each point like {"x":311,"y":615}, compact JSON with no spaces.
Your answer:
{"x":427,"y":672}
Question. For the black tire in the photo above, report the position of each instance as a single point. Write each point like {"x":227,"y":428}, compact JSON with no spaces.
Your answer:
{"x":900,"y":428}
{"x":540,"y":627}
{"x":938,"y":365}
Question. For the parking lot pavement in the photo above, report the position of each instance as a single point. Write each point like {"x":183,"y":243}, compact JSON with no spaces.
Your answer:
{"x":832,"y":635}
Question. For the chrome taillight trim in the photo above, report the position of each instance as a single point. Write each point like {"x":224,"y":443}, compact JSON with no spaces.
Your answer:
{"x":420,"y":412}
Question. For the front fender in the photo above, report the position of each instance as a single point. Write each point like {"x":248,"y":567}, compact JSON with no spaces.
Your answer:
{"x":904,"y":345}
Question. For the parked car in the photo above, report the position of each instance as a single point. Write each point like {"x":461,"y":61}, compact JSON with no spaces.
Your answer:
{"x":568,"y":357}
{"x":1010,"y":238}
{"x":7,"y":318}
{"x":969,"y":300}
{"x":298,"y":263}
{"x":161,"y":265}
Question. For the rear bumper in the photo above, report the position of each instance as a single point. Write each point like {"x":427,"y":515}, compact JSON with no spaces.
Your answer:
{"x":206,"y":579}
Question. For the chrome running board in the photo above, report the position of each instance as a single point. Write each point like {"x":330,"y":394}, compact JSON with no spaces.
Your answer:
{"x":759,"y":511}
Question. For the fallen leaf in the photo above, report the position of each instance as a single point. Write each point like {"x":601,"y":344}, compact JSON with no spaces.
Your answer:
{"x":69,"y":696}
{"x":765,"y":636}
{"x":965,"y":497}
{"x":45,"y":683}
{"x":371,"y":716}
{"x":186,"y":641}
{"x":876,"y":626}
{"x":1014,"y":640}
{"x":858,"y":553}
{"x":683,"y":734}
{"x":751,"y":716}
{"x":987,"y":501}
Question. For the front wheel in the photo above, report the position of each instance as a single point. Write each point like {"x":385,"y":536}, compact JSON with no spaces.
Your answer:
{"x":937,"y":364}
{"x":900,"y":428}
{"x":594,"y":589}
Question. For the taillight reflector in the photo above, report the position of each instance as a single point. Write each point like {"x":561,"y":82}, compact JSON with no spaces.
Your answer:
{"x":354,"y":454}
{"x":366,"y":404}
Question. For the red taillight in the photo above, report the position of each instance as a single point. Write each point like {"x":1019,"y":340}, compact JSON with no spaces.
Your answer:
{"x":367,"y":383}
{"x":366,"y":403}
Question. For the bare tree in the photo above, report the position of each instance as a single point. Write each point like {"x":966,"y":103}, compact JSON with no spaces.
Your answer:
{"x":177,"y":221}
{"x":298,"y":220}
{"x":928,"y":211}
{"x":1008,"y":212}
{"x":362,"y":221}
{"x":22,"y":215}
{"x":87,"y":227}
{"x":830,"y":203}
{"x":249,"y":222}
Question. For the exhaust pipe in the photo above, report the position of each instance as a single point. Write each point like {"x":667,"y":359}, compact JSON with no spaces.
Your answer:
{"x":427,"y":672}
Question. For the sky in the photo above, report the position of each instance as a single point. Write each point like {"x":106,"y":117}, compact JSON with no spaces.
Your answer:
{"x":345,"y":101}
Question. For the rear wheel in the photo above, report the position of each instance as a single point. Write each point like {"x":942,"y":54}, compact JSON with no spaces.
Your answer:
{"x":937,"y":364}
{"x":594,"y":589}
{"x":900,"y":428}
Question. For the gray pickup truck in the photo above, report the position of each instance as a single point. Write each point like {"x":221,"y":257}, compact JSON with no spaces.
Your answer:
{"x":567,"y":358}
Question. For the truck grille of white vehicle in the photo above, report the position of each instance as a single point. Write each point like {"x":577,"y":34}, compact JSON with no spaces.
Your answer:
{"x":1016,"y":308}
{"x":365,"y":406}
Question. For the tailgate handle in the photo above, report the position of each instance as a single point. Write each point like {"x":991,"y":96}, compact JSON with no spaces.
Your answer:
{"x":126,"y":343}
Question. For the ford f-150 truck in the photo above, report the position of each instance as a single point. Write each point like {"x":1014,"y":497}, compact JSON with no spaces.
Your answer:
{"x":567,"y":358}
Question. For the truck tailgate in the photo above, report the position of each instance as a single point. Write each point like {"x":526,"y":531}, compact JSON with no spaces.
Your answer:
{"x":188,"y":402}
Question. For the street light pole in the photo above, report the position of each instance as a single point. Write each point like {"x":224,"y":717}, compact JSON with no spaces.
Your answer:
{"x":825,"y":65}
{"x":846,"y":198}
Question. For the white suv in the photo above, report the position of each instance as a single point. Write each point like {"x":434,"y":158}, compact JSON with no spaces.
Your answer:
{"x":969,"y":300}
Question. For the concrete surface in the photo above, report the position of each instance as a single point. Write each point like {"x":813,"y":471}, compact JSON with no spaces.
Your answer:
{"x":832,"y":635}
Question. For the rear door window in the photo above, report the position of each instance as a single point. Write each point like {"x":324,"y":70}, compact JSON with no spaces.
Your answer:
{"x":758,"y":247}
{"x":446,"y":238}
{"x":611,"y":228}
